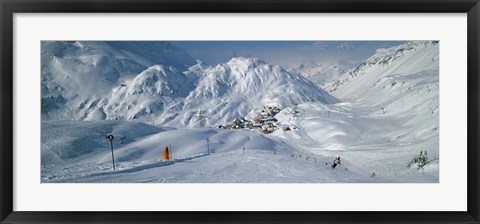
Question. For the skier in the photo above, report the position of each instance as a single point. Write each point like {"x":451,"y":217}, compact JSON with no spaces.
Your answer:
{"x":336,"y":162}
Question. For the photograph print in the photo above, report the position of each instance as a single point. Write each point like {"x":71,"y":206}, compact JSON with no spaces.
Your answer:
{"x":240,"y":111}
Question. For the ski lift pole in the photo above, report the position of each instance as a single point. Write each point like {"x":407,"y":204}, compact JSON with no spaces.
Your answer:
{"x":110,"y":138}
{"x":208,"y":146}
{"x":113,"y":158}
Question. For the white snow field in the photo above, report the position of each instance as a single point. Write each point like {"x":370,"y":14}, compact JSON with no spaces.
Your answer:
{"x":377,"y":118}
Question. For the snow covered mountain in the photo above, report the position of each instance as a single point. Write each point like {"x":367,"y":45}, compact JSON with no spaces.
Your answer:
{"x":77,"y":75}
{"x":390,"y":102}
{"x":320,"y":73}
{"x":145,"y":94}
{"x":398,"y":81}
{"x":388,"y":114}
{"x":151,"y":82}
{"x":404,"y":59}
{"x":239,"y":88}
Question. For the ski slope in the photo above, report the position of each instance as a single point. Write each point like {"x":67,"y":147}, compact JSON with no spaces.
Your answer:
{"x":266,"y":159}
{"x":377,"y":117}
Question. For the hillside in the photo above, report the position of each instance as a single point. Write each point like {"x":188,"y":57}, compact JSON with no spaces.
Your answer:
{"x":76,"y":75}
{"x":409,"y":58}
{"x":248,"y":121}
{"x":240,"y":88}
{"x":156,"y":82}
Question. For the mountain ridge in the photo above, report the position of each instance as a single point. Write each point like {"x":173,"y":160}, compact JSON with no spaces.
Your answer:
{"x":109,"y":80}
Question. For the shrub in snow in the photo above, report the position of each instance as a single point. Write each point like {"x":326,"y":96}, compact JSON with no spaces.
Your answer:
{"x":419,"y":160}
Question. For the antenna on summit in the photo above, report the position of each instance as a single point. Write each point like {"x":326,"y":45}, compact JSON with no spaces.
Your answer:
{"x":234,"y":54}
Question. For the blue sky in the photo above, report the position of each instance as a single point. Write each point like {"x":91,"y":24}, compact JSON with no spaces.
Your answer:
{"x":286,"y":53}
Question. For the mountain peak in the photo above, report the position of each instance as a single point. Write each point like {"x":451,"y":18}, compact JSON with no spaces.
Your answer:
{"x":77,"y":75}
{"x":246,"y":61}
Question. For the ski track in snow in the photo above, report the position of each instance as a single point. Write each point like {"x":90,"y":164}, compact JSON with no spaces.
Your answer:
{"x":265,"y":164}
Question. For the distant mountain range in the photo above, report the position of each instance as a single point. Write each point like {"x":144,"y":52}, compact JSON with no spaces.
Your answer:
{"x":159,"y":82}
{"x":320,"y":73}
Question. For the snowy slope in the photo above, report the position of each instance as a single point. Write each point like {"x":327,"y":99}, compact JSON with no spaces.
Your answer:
{"x":388,"y":114}
{"x":264,"y":159}
{"x":156,"y":82}
{"x":68,"y":141}
{"x":145,"y":94}
{"x":405,"y":84}
{"x":381,"y":143}
{"x":76,"y":75}
{"x":412,"y":57}
{"x":239,"y":156}
{"x":204,"y":96}
{"x":240,"y":88}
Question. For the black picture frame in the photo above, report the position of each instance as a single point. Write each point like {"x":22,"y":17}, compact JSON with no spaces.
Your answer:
{"x":9,"y":7}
